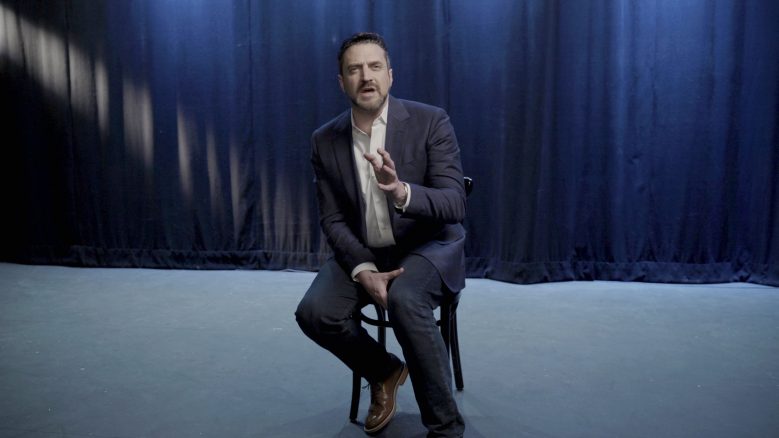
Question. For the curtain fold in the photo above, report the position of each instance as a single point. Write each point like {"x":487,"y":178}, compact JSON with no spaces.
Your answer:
{"x":613,"y":140}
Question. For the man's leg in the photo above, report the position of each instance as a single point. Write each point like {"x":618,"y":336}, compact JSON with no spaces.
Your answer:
{"x":325,"y":315}
{"x":411,"y":300}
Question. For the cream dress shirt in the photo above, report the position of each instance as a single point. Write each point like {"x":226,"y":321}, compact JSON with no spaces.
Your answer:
{"x":377,"y":219}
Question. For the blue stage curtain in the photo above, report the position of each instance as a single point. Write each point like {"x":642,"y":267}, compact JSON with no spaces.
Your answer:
{"x":613,"y":140}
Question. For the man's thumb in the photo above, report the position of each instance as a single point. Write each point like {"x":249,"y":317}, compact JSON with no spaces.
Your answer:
{"x":395,"y":273}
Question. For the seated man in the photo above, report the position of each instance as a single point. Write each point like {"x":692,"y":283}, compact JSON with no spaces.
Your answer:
{"x":391,"y":203}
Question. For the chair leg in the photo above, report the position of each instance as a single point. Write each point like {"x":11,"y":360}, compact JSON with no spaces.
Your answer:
{"x":446,"y":326}
{"x":456,"y":364}
{"x":381,"y":315}
{"x":356,"y":380}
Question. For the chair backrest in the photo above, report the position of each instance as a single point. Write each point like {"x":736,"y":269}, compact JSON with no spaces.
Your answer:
{"x":468,"y":185}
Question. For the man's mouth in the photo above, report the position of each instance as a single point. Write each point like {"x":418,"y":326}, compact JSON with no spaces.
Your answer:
{"x":368,"y":90}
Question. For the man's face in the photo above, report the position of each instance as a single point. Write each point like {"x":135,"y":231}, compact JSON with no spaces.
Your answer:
{"x":365,"y":77}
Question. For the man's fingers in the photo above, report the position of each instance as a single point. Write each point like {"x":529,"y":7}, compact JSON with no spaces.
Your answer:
{"x":374,"y":160}
{"x":389,"y":172}
{"x":384,"y":170}
{"x":393,"y":274}
{"x":378,"y":163}
{"x":386,"y":157}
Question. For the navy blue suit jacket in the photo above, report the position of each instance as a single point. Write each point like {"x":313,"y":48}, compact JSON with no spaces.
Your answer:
{"x":421,"y":142}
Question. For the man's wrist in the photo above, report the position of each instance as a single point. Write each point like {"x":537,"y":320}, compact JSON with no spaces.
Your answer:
{"x":400,"y":193}
{"x":401,"y":196}
{"x":366,"y":266}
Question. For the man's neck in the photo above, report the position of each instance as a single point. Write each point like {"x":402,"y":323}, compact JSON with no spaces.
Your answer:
{"x":363,"y":119}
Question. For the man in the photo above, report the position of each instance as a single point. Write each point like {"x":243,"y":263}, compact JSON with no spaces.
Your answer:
{"x":391,"y":200}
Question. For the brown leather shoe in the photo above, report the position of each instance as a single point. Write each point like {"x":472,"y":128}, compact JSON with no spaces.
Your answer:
{"x":383,"y":394}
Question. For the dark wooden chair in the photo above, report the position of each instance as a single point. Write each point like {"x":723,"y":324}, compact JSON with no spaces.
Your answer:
{"x":447,"y":322}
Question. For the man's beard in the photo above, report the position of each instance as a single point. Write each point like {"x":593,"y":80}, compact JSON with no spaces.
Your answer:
{"x":371,"y":107}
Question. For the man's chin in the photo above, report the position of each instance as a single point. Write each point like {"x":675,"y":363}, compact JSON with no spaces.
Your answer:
{"x":370,"y":106}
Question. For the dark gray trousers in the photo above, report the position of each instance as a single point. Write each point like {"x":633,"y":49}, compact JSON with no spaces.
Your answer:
{"x":326,"y":315}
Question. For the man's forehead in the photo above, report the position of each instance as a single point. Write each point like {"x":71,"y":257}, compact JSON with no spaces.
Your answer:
{"x":363,"y":51}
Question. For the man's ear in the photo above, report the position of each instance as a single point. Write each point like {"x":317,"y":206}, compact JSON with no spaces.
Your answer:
{"x":390,"y":76}
{"x":341,"y":83}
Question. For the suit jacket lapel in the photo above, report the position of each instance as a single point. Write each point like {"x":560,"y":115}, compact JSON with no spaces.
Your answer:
{"x":344,"y":157}
{"x":396,"y":129}
{"x":394,"y":141}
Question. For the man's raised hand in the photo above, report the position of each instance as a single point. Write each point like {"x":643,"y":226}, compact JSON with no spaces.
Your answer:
{"x":386,"y":176}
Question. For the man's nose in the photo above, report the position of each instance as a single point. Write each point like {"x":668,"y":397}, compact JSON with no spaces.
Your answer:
{"x":366,"y":74}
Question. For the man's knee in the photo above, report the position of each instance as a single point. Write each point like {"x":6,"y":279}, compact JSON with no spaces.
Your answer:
{"x":318,"y":320}
{"x":304,"y":315}
{"x":406,"y":302}
{"x":414,"y":294}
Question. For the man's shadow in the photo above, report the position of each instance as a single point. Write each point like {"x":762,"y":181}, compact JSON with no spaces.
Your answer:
{"x":403,"y":424}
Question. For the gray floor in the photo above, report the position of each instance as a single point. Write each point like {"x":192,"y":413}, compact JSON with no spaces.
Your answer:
{"x":153,"y":353}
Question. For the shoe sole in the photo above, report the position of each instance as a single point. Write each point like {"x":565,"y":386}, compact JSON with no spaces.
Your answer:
{"x":401,"y":381}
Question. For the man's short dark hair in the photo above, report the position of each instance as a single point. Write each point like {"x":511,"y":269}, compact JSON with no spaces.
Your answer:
{"x":362,"y":38}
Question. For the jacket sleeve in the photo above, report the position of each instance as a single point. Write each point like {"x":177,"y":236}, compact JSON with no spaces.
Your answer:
{"x":442,"y":195}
